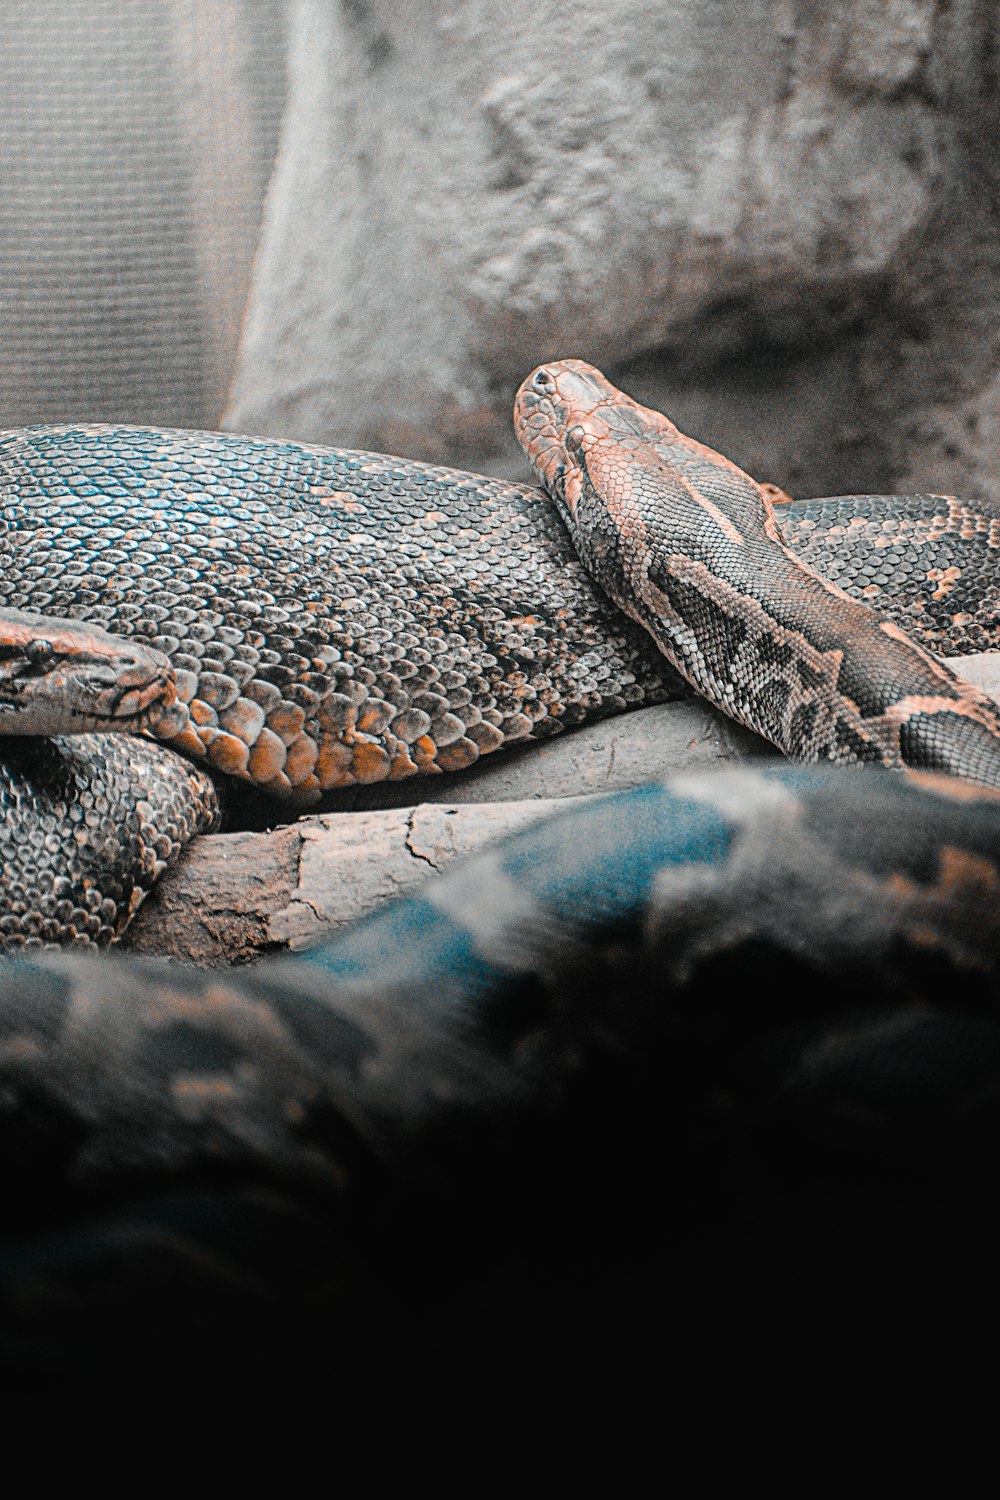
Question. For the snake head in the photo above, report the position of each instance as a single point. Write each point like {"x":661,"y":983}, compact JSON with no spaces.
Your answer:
{"x":565,"y":414}
{"x":70,"y":677}
{"x":580,"y":433}
{"x":631,"y":488}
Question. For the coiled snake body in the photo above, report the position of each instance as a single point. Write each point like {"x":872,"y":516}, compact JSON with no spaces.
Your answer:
{"x":337,"y":618}
{"x":343,"y":617}
{"x":88,"y":821}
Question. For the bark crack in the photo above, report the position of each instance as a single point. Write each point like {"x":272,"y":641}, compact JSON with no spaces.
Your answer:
{"x":411,"y":848}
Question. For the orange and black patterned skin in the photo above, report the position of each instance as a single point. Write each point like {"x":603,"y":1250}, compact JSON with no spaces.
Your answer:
{"x":690,"y":546}
{"x":333,"y":618}
{"x":929,"y":562}
{"x":339,"y":618}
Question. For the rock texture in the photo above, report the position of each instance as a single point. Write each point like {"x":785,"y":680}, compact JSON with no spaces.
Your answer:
{"x":776,"y":218}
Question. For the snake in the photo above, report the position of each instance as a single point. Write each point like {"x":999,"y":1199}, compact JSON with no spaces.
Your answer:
{"x":689,"y":546}
{"x":478,"y":1051}
{"x":332,"y":619}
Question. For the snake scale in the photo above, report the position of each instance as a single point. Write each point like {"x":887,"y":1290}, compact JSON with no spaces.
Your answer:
{"x":442,"y":1084}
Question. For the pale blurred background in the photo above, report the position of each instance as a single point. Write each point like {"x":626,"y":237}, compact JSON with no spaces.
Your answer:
{"x":137,"y":139}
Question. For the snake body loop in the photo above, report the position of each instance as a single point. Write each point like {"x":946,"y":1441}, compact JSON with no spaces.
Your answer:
{"x":548,"y":1059}
{"x":334,"y":618}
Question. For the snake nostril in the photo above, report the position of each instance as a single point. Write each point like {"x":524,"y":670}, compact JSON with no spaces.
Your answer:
{"x":542,"y":380}
{"x":97,"y":680}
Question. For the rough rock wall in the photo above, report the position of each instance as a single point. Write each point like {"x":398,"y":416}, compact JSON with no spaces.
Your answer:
{"x":777,"y":218}
{"x":136,"y":141}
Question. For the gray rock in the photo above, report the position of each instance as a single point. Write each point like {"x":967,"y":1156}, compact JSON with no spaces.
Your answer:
{"x":769,"y":217}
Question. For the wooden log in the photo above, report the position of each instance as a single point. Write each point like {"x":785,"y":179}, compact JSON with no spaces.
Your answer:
{"x":237,"y":896}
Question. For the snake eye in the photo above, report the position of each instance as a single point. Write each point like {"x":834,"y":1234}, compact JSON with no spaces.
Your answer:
{"x":575,"y":438}
{"x":37,"y":653}
{"x":542,"y":381}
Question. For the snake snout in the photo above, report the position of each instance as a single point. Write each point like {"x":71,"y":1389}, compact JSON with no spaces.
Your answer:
{"x":97,"y":679}
{"x":557,"y":416}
